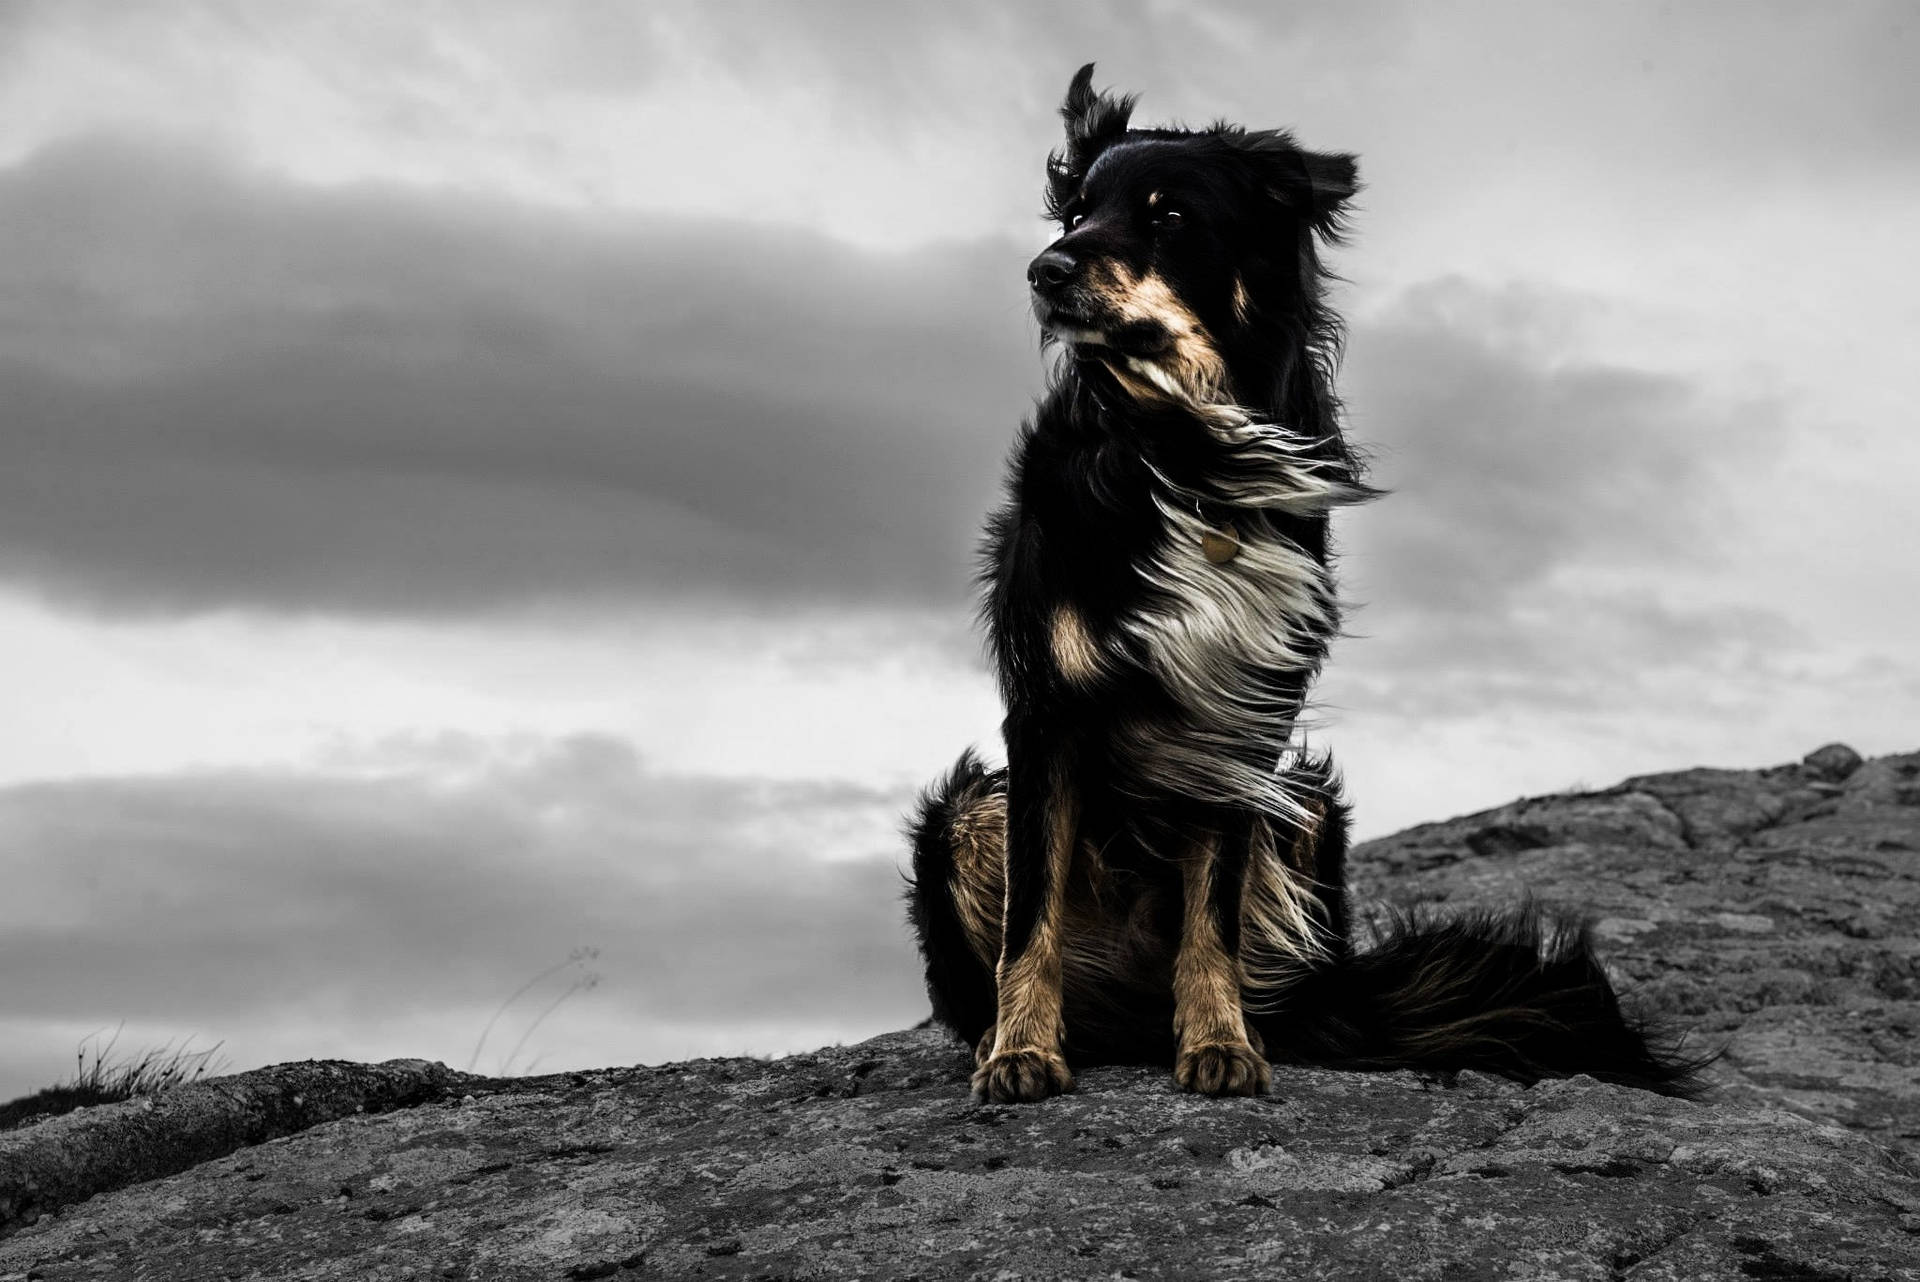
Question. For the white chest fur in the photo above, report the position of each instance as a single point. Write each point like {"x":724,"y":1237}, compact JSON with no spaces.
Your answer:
{"x":1233,"y":639}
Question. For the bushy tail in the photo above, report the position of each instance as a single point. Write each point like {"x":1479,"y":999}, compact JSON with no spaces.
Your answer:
{"x":1518,"y":992}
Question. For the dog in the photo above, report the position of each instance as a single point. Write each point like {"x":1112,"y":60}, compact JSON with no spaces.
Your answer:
{"x":1158,"y":873}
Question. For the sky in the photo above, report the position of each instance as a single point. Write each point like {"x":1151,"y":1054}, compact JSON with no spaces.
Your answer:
{"x":488,"y":491}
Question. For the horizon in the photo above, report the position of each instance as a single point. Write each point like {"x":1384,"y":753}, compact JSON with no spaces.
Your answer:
{"x":481,"y":482}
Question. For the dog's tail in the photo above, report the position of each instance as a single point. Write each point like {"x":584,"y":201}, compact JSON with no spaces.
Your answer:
{"x":1518,"y":992}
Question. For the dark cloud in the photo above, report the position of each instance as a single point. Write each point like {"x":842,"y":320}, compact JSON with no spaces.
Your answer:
{"x":225,"y":393}
{"x":1507,"y":457}
{"x":217,"y":901}
{"x":230,"y":393}
{"x":1544,"y":512}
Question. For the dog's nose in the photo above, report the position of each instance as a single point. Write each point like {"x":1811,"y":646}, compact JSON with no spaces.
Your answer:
{"x":1051,"y":270}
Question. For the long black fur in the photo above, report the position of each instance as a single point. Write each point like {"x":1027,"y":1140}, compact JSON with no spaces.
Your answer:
{"x":1187,"y":296}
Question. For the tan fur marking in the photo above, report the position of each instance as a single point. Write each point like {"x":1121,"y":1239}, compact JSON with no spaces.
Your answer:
{"x":1030,"y":984}
{"x":1075,"y":652}
{"x":1206,"y":981}
{"x":1242,"y":304}
{"x":979,"y":853}
{"x":1102,"y":943}
{"x":1191,"y":369}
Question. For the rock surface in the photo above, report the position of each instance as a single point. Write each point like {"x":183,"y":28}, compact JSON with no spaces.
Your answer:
{"x":1774,"y":910}
{"x":67,"y":1159}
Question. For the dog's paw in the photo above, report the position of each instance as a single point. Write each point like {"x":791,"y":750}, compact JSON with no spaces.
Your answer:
{"x":1015,"y":1077}
{"x":983,"y":1050}
{"x":1222,"y":1068}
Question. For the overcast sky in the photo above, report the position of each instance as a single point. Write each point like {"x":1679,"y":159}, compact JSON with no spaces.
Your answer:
{"x":482,"y":481}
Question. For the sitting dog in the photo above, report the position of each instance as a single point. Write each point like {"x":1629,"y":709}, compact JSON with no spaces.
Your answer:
{"x":1158,"y":872}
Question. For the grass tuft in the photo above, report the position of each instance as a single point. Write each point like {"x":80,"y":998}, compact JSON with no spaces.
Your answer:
{"x":584,"y":979}
{"x":100,"y":1078}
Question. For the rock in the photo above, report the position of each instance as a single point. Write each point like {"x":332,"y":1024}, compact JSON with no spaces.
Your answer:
{"x":65,"y":1159}
{"x":1536,"y":823}
{"x":1774,"y":917}
{"x":1716,"y":806}
{"x":1786,"y":926}
{"x":1833,"y":763}
{"x":871,"y":1161}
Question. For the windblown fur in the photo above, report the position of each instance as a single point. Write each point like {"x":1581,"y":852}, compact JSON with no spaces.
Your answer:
{"x":1158,"y":873}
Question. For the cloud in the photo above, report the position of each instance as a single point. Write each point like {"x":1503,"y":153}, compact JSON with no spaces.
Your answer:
{"x":229,"y":393}
{"x":431,"y":879}
{"x":238,"y":394}
{"x":1510,"y":454}
{"x":1550,"y":519}
{"x":1708,"y":76}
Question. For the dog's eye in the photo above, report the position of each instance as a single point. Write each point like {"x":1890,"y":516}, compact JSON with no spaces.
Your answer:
{"x":1167,"y":219}
{"x":1074,"y":220}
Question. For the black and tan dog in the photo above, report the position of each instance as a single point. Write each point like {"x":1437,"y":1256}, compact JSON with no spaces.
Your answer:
{"x":1158,"y":872}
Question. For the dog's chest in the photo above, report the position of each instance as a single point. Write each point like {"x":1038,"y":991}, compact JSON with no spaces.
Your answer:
{"x":1215,"y":606}
{"x":1179,"y":551}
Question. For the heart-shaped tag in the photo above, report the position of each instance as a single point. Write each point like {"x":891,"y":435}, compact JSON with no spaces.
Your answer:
{"x":1220,"y":546}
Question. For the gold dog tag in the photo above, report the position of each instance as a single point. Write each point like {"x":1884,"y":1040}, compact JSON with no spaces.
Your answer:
{"x":1220,"y":546}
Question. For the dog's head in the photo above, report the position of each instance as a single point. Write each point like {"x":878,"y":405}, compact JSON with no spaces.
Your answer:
{"x":1183,"y":254}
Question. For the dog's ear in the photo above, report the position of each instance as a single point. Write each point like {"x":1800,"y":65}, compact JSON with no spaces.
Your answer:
{"x":1314,"y":185}
{"x":1095,"y":121}
{"x":1333,"y":178}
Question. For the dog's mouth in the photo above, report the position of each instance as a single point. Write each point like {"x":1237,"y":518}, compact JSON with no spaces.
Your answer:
{"x":1065,"y":323}
{"x":1144,"y":340}
{"x":1069,"y":325}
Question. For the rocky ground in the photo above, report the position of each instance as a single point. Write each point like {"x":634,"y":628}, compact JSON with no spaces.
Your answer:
{"x":1773,"y":911}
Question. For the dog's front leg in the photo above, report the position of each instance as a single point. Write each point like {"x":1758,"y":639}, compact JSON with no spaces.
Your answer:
{"x":1043,"y":816}
{"x":1216,"y":1056}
